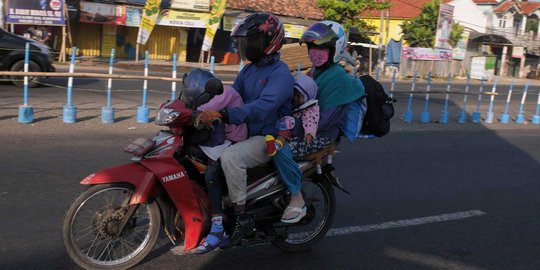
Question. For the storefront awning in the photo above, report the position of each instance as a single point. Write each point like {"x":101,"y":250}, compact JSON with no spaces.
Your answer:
{"x":491,"y":39}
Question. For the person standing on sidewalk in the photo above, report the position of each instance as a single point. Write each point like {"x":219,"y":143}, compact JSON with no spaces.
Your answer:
{"x":266,"y":86}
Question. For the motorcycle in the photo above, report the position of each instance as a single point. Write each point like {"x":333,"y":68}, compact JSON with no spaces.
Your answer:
{"x":116,"y":221}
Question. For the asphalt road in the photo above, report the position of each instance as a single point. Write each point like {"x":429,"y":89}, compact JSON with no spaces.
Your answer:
{"x":426,"y":196}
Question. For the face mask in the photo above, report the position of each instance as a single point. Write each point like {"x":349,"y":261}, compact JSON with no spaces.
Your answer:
{"x":318,"y":56}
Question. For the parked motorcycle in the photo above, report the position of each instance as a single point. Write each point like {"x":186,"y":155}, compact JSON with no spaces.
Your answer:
{"x":116,"y":221}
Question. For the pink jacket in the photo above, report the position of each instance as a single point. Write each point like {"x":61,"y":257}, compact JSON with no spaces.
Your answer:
{"x":229,"y":99}
{"x":309,"y":113}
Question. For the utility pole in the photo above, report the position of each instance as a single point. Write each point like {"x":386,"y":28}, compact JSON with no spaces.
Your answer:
{"x":381,"y":26}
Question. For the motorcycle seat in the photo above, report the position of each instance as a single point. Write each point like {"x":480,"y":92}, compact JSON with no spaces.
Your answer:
{"x":260,"y":171}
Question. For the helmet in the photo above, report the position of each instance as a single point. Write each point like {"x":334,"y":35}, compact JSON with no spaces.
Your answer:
{"x":328,"y":34}
{"x":193,"y":93}
{"x":258,"y":35}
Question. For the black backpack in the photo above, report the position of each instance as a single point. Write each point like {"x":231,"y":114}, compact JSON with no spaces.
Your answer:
{"x":379,"y":108}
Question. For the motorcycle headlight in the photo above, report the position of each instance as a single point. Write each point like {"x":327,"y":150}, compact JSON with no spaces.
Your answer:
{"x":166,"y":116}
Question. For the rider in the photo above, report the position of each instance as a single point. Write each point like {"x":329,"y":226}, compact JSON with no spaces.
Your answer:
{"x":326,"y":43}
{"x":222,"y":136}
{"x":266,"y":86}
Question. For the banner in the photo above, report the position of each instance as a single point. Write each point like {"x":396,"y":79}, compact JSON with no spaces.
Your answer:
{"x":458,"y":53}
{"x":444,"y":26}
{"x":197,"y":5}
{"x":426,"y":54}
{"x":102,"y":13}
{"x":294,"y":31}
{"x":35,"y":12}
{"x":133,"y":16}
{"x":171,"y":17}
{"x":148,"y":20}
{"x":218,"y":8}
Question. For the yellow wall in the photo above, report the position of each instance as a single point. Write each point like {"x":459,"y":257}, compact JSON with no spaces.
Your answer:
{"x":166,"y":40}
{"x":87,"y":39}
{"x":394,"y":30}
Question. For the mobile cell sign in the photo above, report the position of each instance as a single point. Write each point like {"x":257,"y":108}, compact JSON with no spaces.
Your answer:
{"x":36,"y":12}
{"x":171,"y":17}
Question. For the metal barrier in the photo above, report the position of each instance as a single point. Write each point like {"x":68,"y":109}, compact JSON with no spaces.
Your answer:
{"x":26,"y":113}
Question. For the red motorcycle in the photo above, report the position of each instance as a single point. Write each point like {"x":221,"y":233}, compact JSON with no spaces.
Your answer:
{"x":116,"y":221}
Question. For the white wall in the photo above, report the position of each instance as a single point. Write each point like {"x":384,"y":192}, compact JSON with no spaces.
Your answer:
{"x":468,"y":14}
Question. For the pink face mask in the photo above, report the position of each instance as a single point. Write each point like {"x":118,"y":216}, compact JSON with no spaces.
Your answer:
{"x":318,"y":56}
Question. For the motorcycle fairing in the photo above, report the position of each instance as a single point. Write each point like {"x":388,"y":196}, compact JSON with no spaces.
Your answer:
{"x":145,"y":186}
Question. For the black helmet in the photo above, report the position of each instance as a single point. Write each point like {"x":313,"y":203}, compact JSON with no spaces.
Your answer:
{"x":258,"y":35}
{"x":193,"y":93}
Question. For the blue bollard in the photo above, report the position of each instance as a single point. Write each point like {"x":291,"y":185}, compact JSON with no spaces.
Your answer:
{"x":143,"y":113}
{"x":377,"y":76}
{"x":425,"y":117}
{"x":298,"y":69}
{"x":505,"y":117}
{"x":408,"y":115}
{"x":476,"y":116}
{"x":462,"y":115}
{"x":520,"y":118}
{"x":107,"y":112}
{"x":536,"y":117}
{"x":393,"y":86}
{"x":26,"y":113}
{"x":241,"y":65}
{"x":174,"y":75}
{"x":70,"y":111}
{"x":212,"y":63}
{"x":443,"y":118}
{"x":489,"y":114}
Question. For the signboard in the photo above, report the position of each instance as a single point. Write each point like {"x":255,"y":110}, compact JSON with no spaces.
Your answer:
{"x":148,"y":21}
{"x":218,"y":8}
{"x":444,"y":26}
{"x":426,"y":54}
{"x":35,"y":12}
{"x":183,"y":18}
{"x":294,"y":31}
{"x":102,"y":13}
{"x":133,"y":16}
{"x":197,"y":5}
{"x":517,"y":52}
{"x":458,"y":53}
{"x":483,"y":67}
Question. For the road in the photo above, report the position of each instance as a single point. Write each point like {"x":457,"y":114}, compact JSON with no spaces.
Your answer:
{"x":426,"y":196}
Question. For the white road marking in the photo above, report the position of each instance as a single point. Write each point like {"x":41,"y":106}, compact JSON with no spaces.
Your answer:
{"x":405,"y":223}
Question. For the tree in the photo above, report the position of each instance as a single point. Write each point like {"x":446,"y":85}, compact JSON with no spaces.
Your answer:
{"x":347,"y":12}
{"x":420,"y":31}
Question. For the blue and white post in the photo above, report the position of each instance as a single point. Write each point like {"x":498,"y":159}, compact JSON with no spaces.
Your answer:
{"x":505,"y":117}
{"x":143,"y":113}
{"x":476,"y":116}
{"x":26,"y":113}
{"x":520,"y":118}
{"x":298,"y":69}
{"x":443,"y":118}
{"x":107,"y":112}
{"x":241,"y":65}
{"x":489,"y":114}
{"x":377,"y":76}
{"x":462,"y":116}
{"x":393,"y":86}
{"x":408,"y":115}
{"x":70,"y":111}
{"x":425,"y":117}
{"x":212,"y":63}
{"x":536,"y":116}
{"x":174,"y":76}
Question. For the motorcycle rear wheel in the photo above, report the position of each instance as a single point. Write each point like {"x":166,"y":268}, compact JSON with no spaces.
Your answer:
{"x":321,"y":207}
{"x":89,"y":226}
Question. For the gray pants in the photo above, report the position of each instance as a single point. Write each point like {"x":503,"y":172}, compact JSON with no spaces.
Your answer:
{"x":236,"y":159}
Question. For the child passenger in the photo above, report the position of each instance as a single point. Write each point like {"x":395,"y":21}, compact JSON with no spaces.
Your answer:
{"x":294,"y":134}
{"x":233,"y":133}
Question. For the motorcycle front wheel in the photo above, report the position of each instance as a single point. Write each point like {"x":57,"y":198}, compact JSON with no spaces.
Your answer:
{"x":91,"y":225}
{"x":321,"y":206}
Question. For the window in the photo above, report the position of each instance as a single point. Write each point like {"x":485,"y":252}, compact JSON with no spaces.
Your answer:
{"x":502,"y":22}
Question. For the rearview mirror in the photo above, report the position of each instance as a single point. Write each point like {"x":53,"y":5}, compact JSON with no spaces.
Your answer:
{"x":213,"y":87}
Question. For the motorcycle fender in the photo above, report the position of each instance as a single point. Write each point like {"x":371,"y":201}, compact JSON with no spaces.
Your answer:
{"x":144,"y":181}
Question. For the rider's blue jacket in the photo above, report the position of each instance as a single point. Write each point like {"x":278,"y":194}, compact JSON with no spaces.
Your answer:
{"x":267,"y":90}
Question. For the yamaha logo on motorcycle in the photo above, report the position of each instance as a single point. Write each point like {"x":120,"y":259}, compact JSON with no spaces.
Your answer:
{"x":173,"y":177}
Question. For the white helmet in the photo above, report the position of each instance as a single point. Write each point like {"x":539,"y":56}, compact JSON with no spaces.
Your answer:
{"x":342,"y":39}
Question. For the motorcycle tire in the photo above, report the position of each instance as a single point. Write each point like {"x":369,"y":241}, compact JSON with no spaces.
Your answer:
{"x":328,"y":213}
{"x":101,"y":221}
